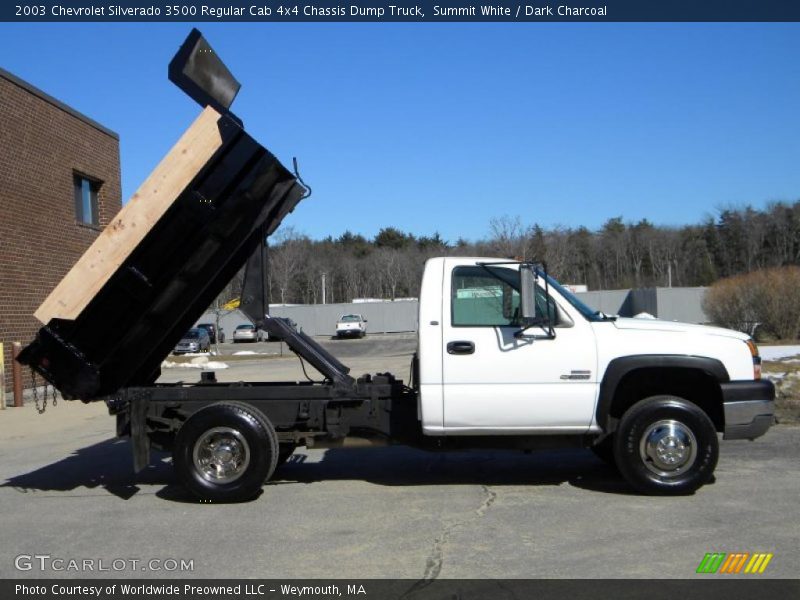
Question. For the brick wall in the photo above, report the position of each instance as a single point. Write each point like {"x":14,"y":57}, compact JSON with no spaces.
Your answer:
{"x":41,"y":146}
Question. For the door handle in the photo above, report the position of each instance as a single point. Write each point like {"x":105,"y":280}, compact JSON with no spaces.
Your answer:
{"x":460,"y":347}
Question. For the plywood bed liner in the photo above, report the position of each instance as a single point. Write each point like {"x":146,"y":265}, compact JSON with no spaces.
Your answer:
{"x":153,"y":198}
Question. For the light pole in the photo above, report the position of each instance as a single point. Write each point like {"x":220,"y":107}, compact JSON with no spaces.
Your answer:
{"x":323,"y":286}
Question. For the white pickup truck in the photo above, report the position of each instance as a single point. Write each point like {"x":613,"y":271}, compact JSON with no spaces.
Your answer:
{"x":351,"y":325}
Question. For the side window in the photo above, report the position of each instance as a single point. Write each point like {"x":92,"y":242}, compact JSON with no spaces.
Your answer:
{"x":86,"y":199}
{"x":481,"y":299}
{"x":543,"y":307}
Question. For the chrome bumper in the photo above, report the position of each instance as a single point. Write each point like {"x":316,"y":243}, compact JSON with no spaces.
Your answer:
{"x":749,"y":408}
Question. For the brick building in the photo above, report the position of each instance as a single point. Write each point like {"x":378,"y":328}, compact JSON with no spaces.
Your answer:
{"x":59,"y":186}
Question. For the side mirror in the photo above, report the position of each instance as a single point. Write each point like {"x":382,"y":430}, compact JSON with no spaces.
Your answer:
{"x":527,"y":293}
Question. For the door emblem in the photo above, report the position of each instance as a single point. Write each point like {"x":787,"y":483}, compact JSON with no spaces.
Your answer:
{"x":577,"y":376}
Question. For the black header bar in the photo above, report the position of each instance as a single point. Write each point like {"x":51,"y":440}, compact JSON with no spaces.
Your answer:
{"x":403,"y":10}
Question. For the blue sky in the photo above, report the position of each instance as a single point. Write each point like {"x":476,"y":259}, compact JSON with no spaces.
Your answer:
{"x":440,"y":127}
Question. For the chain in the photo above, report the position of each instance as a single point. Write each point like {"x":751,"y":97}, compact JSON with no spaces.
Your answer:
{"x":36,"y":394}
{"x":47,"y":389}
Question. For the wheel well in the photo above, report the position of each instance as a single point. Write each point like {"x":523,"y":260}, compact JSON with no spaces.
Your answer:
{"x":694,"y":385}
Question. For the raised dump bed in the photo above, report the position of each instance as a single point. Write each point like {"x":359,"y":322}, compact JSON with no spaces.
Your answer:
{"x":205,"y":209}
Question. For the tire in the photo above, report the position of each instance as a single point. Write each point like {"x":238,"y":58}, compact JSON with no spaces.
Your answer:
{"x":251,"y":451}
{"x":666,"y":445}
{"x":285,"y":452}
{"x":604,"y":450}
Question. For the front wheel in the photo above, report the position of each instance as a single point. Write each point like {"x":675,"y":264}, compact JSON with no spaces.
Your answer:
{"x":666,"y":445}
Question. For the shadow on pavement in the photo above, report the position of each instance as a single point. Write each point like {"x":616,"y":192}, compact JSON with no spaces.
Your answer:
{"x":108,"y":465}
{"x":404,"y":466}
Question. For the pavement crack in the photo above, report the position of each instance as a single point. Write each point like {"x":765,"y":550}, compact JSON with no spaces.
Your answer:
{"x":487,"y":501}
{"x":435,"y":560}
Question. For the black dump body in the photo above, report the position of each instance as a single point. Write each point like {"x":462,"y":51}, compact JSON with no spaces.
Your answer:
{"x":214,"y":226}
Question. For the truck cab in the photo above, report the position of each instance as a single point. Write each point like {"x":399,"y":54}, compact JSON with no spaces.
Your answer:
{"x":569,"y":370}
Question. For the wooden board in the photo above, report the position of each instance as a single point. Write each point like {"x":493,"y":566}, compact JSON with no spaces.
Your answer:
{"x":175,"y":171}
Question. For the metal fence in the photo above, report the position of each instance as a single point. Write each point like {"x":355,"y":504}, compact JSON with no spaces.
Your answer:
{"x":320,"y":319}
{"x":671,"y":304}
{"x":382,"y":317}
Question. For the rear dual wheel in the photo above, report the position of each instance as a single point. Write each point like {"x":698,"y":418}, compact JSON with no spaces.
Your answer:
{"x":225,"y":452}
{"x":666,"y":445}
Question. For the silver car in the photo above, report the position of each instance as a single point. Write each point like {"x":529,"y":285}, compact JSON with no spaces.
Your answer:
{"x":247,"y":333}
{"x":195,"y":340}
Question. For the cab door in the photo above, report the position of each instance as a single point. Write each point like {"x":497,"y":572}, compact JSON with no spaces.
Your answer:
{"x":496,"y":382}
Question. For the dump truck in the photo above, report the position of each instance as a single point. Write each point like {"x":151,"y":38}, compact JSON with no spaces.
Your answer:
{"x":506,"y":357}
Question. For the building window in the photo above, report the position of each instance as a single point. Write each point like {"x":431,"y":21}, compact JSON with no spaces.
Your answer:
{"x":86,"y":200}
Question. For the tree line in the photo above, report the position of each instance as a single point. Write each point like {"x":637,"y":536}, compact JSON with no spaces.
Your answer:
{"x":618,"y":255}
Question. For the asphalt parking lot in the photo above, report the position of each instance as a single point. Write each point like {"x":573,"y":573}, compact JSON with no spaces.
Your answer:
{"x":67,"y":490}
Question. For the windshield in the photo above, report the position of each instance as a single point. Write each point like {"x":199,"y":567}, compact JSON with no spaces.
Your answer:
{"x":245,"y":327}
{"x":350,"y":318}
{"x":587,"y":311}
{"x":192,"y":334}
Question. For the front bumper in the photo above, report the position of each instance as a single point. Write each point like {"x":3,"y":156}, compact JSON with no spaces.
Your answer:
{"x":348,"y":332}
{"x":186,"y":349}
{"x":749,"y":408}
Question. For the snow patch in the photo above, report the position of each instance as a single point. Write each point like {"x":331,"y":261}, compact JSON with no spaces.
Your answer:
{"x":774,"y":353}
{"x":211,"y":365}
{"x":774,"y":376}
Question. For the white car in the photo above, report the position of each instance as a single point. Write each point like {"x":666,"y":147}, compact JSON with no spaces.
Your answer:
{"x":351,"y":326}
{"x":247,"y":333}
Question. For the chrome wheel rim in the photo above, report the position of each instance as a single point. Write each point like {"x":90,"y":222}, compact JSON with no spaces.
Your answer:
{"x":668,"y":448}
{"x":221,"y":455}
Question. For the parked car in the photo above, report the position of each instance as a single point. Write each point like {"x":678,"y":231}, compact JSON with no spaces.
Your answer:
{"x":195,"y":340}
{"x":211,"y":328}
{"x":290,"y":322}
{"x":351,"y":326}
{"x":248,"y":333}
